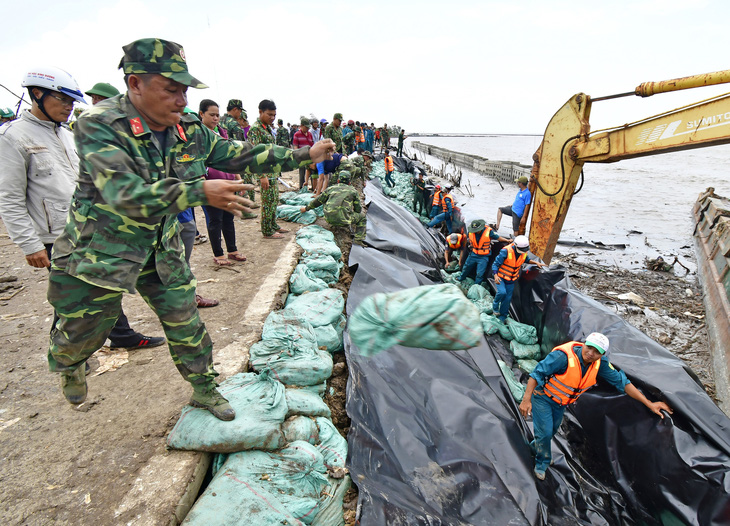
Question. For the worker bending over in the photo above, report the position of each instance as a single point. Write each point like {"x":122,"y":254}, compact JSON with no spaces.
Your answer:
{"x":480,"y":247}
{"x":506,"y":270}
{"x":455,"y":243}
{"x":558,"y":380}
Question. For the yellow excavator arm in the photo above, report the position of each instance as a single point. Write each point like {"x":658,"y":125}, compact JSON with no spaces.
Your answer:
{"x":568,"y":144}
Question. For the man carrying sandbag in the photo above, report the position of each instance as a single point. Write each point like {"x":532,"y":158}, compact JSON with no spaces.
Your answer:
{"x":342,"y":207}
{"x":560,"y":378}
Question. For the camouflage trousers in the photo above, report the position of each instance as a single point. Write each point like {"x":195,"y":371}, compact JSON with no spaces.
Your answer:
{"x":249,"y":179}
{"x":356,"y":220}
{"x":87,"y":313}
{"x":269,"y":202}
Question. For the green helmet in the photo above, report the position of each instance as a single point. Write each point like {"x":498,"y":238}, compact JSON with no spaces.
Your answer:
{"x":103,"y":90}
{"x":344,"y":176}
{"x":154,"y":55}
{"x":7,"y":113}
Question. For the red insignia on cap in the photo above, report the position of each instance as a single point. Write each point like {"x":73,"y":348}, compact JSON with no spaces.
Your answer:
{"x":136,"y":124}
{"x":182,"y":133}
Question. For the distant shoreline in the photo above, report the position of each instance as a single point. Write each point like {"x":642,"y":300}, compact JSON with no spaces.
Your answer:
{"x":475,"y":135}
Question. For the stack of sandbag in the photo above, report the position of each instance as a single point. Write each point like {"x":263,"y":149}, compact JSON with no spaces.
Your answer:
{"x":280,"y":407}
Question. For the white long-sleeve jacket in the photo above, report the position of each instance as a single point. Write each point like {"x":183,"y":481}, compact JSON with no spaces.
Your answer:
{"x":38,"y":170}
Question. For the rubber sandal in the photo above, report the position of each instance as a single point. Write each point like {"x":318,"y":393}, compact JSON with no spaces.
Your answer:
{"x":282,"y":231}
{"x":274,"y":236}
{"x":222,"y":261}
{"x":235,"y":256}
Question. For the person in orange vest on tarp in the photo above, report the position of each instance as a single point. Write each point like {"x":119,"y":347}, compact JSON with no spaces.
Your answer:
{"x":447,"y":209}
{"x":436,"y":202}
{"x":506,"y":270}
{"x":389,"y":169}
{"x":480,"y":244}
{"x":455,"y":243}
{"x":559,"y":379}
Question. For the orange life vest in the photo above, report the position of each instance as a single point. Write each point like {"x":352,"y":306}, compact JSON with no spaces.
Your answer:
{"x":444,"y":207}
{"x":510,"y":268}
{"x":436,"y":198}
{"x":361,"y":136}
{"x":459,"y":242}
{"x":389,"y":164}
{"x":565,"y":388}
{"x":482,"y":247}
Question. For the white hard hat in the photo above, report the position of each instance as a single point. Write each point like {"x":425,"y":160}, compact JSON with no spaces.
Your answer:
{"x":599,"y":341}
{"x":522,"y":242}
{"x":54,"y":79}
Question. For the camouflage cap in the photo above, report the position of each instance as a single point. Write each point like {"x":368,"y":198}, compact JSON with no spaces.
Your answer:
{"x":154,"y":55}
{"x":103,"y":89}
{"x":367,"y":153}
{"x":344,"y":176}
{"x":235,"y":103}
{"x":337,"y":116}
{"x":476,"y":226}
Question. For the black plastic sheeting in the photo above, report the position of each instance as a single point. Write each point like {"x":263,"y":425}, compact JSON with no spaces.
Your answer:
{"x":436,"y":437}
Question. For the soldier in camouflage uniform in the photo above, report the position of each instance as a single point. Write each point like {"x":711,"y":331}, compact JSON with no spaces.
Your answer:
{"x":260,"y":133}
{"x":384,"y":138}
{"x":419,"y":193}
{"x":282,"y":135}
{"x":342,"y":207}
{"x":334,"y":132}
{"x":141,"y":162}
{"x":348,"y":138}
{"x":231,"y":122}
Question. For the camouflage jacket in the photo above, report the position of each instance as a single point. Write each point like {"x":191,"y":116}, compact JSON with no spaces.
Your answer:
{"x":340,"y":202}
{"x":348,"y":139}
{"x":123,"y":212}
{"x":282,"y":136}
{"x":261,"y":134}
{"x":385,"y":135}
{"x":330,"y":132}
{"x":232,"y":127}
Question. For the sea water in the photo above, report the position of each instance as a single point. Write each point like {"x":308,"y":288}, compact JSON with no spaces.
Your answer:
{"x":644,"y":203}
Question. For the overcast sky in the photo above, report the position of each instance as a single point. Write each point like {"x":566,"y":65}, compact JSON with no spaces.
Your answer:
{"x":429,"y":66}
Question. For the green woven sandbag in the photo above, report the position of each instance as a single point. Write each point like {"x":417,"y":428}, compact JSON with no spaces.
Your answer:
{"x":332,"y":445}
{"x":323,"y":266}
{"x":492,"y":325}
{"x":527,"y":365}
{"x":290,"y":362}
{"x":453,"y":266}
{"x":260,"y":405}
{"x":436,"y":317}
{"x":481,"y":298}
{"x":515,"y":387}
{"x":261,"y":487}
{"x":305,"y":402}
{"x":300,"y":427}
{"x":524,"y":351}
{"x":303,"y":280}
{"x":295,"y":215}
{"x":522,"y":332}
{"x":322,"y":307}
{"x":287,"y":325}
{"x":315,"y":232}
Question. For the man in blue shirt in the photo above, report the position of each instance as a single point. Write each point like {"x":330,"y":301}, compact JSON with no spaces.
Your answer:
{"x":324,"y":170}
{"x":559,"y":379}
{"x":517,"y":210}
